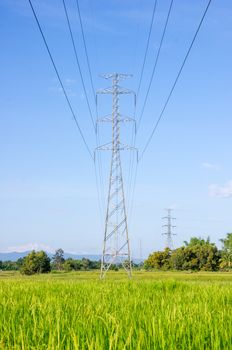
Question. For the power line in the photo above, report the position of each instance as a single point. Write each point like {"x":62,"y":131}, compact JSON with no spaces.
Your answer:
{"x":130,"y":172}
{"x":60,"y":81}
{"x":131,"y":187}
{"x":156,"y":61}
{"x":147,"y":46}
{"x":101,"y":193}
{"x":93,"y":25}
{"x":98,"y":160}
{"x":136,"y":37}
{"x":99,"y":198}
{"x":176,"y":80}
{"x":78,"y":63}
{"x":132,"y":195}
{"x":131,"y":181}
{"x":86,"y":51}
{"x":152,"y":76}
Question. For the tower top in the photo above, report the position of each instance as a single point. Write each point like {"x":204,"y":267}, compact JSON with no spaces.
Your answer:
{"x":120,"y":76}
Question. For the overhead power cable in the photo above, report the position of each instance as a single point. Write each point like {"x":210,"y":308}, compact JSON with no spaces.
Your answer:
{"x":176,"y":80}
{"x":98,"y":160}
{"x":60,"y":81}
{"x":86,"y":51}
{"x":155,"y":65}
{"x":78,"y":64}
{"x":147,"y":46}
{"x":132,"y":181}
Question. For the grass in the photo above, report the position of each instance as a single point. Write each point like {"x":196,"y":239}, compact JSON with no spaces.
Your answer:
{"x":155,"y":310}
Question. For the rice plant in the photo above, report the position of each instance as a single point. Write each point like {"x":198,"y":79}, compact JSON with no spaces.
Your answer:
{"x":73,"y":313}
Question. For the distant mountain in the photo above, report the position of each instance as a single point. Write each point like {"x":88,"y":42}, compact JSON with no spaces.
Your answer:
{"x":81,"y":256}
{"x":13,"y":256}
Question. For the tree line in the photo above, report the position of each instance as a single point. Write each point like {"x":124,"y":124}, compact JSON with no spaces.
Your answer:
{"x":196,"y":255}
{"x":39,"y":262}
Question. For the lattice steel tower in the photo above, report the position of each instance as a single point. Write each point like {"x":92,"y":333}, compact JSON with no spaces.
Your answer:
{"x":116,"y":246}
{"x":169,"y":233}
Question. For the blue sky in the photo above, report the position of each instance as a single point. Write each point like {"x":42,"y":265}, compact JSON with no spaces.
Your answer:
{"x":48,"y":190}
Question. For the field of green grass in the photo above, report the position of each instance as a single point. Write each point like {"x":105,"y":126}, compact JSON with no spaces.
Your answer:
{"x":154,"y":310}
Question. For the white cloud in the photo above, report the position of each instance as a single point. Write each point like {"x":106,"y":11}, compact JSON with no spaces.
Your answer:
{"x":69,"y":81}
{"x":28,"y":247}
{"x":224,"y":191}
{"x":211,"y":166}
{"x":69,"y":85}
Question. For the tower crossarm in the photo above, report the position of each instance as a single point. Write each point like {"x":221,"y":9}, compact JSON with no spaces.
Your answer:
{"x":109,"y":119}
{"x":120,"y":147}
{"x":120,"y":91}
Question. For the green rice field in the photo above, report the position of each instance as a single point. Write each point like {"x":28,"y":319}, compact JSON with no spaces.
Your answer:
{"x":154,"y":310}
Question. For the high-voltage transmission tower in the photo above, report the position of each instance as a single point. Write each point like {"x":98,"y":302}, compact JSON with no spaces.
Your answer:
{"x":169,"y":233}
{"x":116,"y":246}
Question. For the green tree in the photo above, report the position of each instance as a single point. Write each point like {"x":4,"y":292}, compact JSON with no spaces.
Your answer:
{"x":159,"y":260}
{"x":114,"y":267}
{"x":71,"y":265}
{"x":9,"y":266}
{"x":58,"y":259}
{"x":226,"y":260}
{"x":95,"y":265}
{"x":19,"y":262}
{"x":197,"y":241}
{"x":178,"y":258}
{"x":36,"y":262}
{"x":199,"y":255}
{"x":86,"y":264}
{"x":208,"y":257}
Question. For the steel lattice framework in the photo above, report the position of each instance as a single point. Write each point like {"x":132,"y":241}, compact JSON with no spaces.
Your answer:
{"x":169,"y":233}
{"x":116,"y":246}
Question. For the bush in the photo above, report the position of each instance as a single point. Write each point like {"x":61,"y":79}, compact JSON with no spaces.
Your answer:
{"x":36,"y":262}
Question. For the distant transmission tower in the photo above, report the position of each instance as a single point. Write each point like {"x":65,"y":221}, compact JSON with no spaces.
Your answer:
{"x":116,"y":247}
{"x":169,"y":233}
